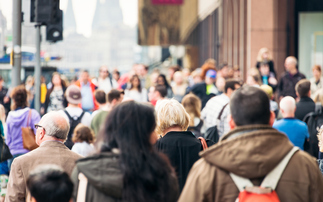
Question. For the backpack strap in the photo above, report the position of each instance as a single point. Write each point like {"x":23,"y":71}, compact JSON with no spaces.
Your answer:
{"x":78,"y":118}
{"x":29,"y":117}
{"x":272,"y":178}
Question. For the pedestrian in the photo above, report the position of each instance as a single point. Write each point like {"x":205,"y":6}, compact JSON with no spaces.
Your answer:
{"x":19,"y":116}
{"x":73,"y":113}
{"x":181,"y":146}
{"x":55,"y":97}
{"x":83,"y":138}
{"x":49,"y":183}
{"x":126,"y":167}
{"x":286,"y":85}
{"x":136,"y":91}
{"x":251,"y":150}
{"x":51,"y":132}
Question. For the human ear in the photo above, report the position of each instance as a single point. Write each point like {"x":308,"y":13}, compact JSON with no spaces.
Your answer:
{"x":231,"y":122}
{"x":272,"y":118}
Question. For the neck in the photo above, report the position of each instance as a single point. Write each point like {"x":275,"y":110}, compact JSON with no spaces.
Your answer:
{"x":173,"y":128}
{"x":293,"y":71}
{"x":103,"y":106}
{"x":73,"y":105}
{"x":50,"y":138}
{"x":289,"y":115}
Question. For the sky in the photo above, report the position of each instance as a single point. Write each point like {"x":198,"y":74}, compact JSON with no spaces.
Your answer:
{"x":83,"y":22}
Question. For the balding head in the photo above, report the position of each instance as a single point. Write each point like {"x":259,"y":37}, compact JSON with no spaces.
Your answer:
{"x":287,"y":106}
{"x":55,"y":125}
{"x":290,"y":63}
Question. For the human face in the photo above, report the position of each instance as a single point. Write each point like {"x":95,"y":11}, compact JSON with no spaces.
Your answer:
{"x":209,"y":80}
{"x":264,"y":70}
{"x":104,"y":73}
{"x":316,"y":73}
{"x":56,"y":80}
{"x":160,"y":81}
{"x":84,"y":77}
{"x":151,"y":93}
{"x":135,"y":82}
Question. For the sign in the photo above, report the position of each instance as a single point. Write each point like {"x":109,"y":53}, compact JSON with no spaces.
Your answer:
{"x":165,"y":2}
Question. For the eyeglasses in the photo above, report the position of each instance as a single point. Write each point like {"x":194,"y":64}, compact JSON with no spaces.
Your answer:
{"x":39,"y":126}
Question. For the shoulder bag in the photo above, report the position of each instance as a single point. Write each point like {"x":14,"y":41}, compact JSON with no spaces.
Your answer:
{"x":28,"y":135}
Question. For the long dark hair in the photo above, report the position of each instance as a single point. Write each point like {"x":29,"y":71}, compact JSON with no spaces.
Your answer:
{"x":165,"y":80}
{"x":139,"y":85}
{"x":146,"y":175}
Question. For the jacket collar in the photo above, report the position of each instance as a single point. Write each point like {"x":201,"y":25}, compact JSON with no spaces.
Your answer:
{"x":249,"y":151}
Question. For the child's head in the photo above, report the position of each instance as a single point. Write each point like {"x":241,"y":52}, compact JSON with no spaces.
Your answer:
{"x":82,"y":133}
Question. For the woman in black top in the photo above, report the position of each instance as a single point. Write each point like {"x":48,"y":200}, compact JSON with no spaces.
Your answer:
{"x":181,"y":146}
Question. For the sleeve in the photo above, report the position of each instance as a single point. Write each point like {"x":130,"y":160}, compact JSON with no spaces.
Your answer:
{"x":199,"y":183}
{"x":224,"y":121}
{"x":86,"y":119}
{"x":16,"y":188}
{"x":74,"y":178}
{"x":280,"y":87}
{"x":320,"y":162}
{"x":8,"y":135}
{"x":316,"y":178}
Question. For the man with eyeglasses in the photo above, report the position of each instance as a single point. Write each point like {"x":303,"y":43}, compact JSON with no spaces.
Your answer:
{"x":105,"y":80}
{"x":51,"y":132}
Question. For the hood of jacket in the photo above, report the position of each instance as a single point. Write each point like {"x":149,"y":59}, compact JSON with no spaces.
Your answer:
{"x":103,"y":172}
{"x":249,"y":151}
{"x":19,"y":117}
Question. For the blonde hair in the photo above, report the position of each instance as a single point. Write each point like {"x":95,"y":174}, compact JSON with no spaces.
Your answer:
{"x":2,"y":114}
{"x":261,"y":52}
{"x":171,"y":113}
{"x":192,"y":105}
{"x":254,"y":72}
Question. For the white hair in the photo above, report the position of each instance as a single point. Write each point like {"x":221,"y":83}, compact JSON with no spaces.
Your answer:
{"x":287,"y":104}
{"x":55,"y":125}
{"x":171,"y":113}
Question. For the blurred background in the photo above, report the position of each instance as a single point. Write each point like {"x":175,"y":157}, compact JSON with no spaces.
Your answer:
{"x":161,"y":33}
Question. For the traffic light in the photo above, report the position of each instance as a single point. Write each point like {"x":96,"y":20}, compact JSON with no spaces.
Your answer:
{"x":54,"y":30}
{"x":41,"y":11}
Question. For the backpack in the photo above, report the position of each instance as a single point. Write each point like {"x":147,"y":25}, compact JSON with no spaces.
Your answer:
{"x":314,"y":121}
{"x":74,"y":121}
{"x":212,"y":132}
{"x":266,"y":191}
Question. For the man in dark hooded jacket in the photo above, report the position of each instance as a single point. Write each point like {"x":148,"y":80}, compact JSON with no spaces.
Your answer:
{"x":251,"y":150}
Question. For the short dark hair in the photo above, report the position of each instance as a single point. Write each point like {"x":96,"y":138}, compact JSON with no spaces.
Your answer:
{"x":303,"y":87}
{"x":19,"y":96}
{"x":100,"y":96}
{"x":83,"y":133}
{"x":222,"y":65}
{"x":162,"y":90}
{"x":250,"y":105}
{"x":50,"y":183}
{"x":230,"y":83}
{"x":113,"y":94}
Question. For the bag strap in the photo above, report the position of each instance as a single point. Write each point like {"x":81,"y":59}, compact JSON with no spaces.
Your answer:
{"x":81,"y":192}
{"x":272,"y":178}
{"x":80,"y":117}
{"x":203,"y":142}
{"x":221,"y":112}
{"x":29,"y":117}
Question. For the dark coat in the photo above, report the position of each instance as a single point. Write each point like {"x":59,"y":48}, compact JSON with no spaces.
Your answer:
{"x":105,"y":178}
{"x":199,"y":90}
{"x":182,"y":149}
{"x":286,"y":85}
{"x":303,"y":107}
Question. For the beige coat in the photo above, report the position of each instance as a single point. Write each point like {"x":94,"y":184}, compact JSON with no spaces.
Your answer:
{"x":252,"y":152}
{"x":50,"y":152}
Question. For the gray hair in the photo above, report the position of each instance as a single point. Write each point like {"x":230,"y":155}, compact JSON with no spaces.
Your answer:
{"x":55,"y":125}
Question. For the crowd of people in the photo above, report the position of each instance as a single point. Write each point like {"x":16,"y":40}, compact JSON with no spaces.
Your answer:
{"x":180,"y":136}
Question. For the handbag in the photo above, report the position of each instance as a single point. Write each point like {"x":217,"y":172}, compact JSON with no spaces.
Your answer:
{"x":5,"y":151}
{"x":28,"y":135}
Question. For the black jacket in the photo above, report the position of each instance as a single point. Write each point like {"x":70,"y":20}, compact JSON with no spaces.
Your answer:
{"x":286,"y":85}
{"x":182,"y":149}
{"x":199,"y":90}
{"x":303,"y":107}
